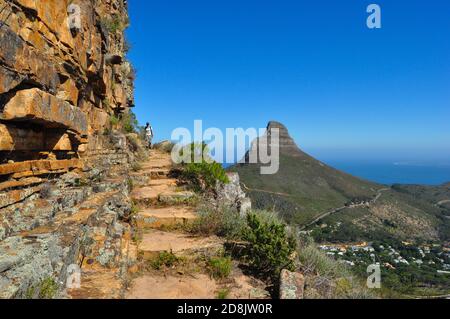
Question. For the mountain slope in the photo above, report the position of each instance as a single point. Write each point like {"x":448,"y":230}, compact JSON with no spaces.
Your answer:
{"x":307,"y":192}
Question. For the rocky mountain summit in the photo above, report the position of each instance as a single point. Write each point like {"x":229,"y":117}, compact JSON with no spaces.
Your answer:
{"x":309,"y":193}
{"x":286,"y":143}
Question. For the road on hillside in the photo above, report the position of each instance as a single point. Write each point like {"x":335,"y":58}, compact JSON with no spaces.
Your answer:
{"x":263,"y":191}
{"x":337,"y":210}
{"x":442,"y":202}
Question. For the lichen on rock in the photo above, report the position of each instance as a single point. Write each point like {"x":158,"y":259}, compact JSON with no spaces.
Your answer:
{"x":63,"y":166}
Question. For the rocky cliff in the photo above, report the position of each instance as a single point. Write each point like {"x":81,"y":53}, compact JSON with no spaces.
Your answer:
{"x":286,"y":143}
{"x":64,"y":85}
{"x":62,"y":76}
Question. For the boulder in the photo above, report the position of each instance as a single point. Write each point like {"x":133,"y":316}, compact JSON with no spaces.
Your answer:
{"x":15,"y":138}
{"x":232,"y":195}
{"x":36,"y":106}
{"x":292,"y":285}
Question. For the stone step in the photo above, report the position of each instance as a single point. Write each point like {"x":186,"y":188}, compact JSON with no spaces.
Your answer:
{"x":97,"y":284}
{"x":159,"y":173}
{"x":161,"y":192}
{"x":150,"y":191}
{"x":176,"y":198}
{"x":158,"y":164}
{"x":155,"y":242}
{"x":197,"y":286}
{"x":156,"y":218}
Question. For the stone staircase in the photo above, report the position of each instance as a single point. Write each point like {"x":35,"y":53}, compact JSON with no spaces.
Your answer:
{"x":115,"y":249}
{"x":164,"y":212}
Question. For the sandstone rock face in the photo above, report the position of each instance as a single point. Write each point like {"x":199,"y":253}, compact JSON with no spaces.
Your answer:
{"x":38,"y":107}
{"x":63,"y":74}
{"x":64,"y":189}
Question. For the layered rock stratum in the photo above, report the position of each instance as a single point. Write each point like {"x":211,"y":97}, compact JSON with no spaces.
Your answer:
{"x":60,"y":84}
{"x":64,"y":186}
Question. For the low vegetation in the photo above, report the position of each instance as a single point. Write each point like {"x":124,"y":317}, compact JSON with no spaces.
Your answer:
{"x":129,"y":122}
{"x":48,"y":288}
{"x":326,"y":278}
{"x":46,"y":191}
{"x":264,"y":243}
{"x":223,"y":294}
{"x":270,"y":248}
{"x":136,"y":167}
{"x":114,"y":24}
{"x":164,"y":260}
{"x":223,"y":222}
{"x":220,"y":267}
{"x":202,"y":175}
{"x":126,"y":122}
{"x":165,"y":146}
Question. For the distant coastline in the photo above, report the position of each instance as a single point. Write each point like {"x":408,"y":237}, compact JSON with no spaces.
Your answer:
{"x":396,"y":172}
{"x":389,"y":173}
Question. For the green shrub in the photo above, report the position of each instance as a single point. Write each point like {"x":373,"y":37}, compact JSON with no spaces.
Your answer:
{"x":317,"y":262}
{"x":130,"y":184}
{"x":223,"y":294}
{"x":203,"y":175}
{"x":164,"y":259}
{"x":126,"y":122}
{"x":134,"y":142}
{"x":328,"y":278}
{"x":134,"y":208}
{"x":48,"y":288}
{"x":30,"y":292}
{"x":220,"y":267}
{"x":270,"y":248}
{"x":114,"y":121}
{"x":136,"y":166}
{"x":164,"y":146}
{"x":221,"y":221}
{"x":129,"y":122}
{"x":113,"y":24}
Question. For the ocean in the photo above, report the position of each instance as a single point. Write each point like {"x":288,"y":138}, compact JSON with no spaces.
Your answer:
{"x":396,"y":172}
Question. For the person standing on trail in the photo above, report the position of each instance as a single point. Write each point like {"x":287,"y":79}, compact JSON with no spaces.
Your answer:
{"x":149,"y":134}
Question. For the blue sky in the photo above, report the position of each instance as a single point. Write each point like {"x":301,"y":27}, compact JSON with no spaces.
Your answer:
{"x":343,"y":90}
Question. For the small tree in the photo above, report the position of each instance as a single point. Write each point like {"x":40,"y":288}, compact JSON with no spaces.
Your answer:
{"x":270,"y":249}
{"x":129,"y":122}
{"x":203,"y":175}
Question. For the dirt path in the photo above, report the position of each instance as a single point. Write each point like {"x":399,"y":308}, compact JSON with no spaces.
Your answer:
{"x":263,"y":191}
{"x":164,"y":211}
{"x":337,"y":210}
{"x":442,"y":202}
